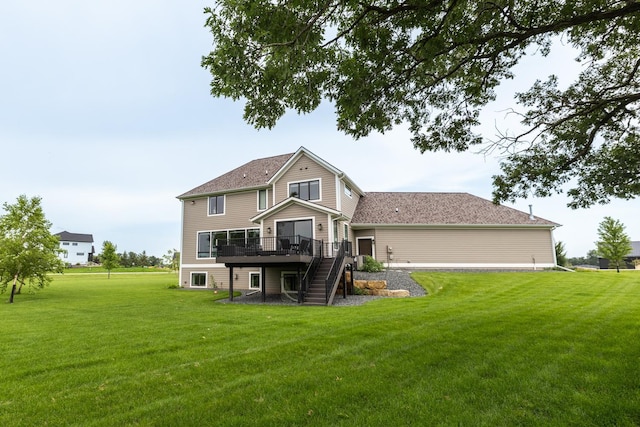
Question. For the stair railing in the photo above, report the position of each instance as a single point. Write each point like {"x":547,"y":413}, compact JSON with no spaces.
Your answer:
{"x":344,"y":250}
{"x":316,"y":257}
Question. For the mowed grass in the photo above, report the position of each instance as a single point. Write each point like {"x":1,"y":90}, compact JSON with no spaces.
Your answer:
{"x":546,"y":348}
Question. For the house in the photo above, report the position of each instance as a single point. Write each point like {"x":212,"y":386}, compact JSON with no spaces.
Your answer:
{"x":291,"y":224}
{"x":629,"y":261}
{"x":76,"y":248}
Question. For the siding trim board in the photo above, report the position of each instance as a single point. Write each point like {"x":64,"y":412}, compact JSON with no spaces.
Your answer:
{"x":355,"y":226}
{"x":210,"y":265}
{"x":290,"y":201}
{"x":437,"y":265}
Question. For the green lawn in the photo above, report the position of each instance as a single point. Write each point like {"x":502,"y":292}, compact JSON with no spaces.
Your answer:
{"x":546,"y":348}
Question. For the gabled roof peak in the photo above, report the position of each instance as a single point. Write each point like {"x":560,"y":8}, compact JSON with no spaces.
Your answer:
{"x":260,"y":173}
{"x":253,"y":174}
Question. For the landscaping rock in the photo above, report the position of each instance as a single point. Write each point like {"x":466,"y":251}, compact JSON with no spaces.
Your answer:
{"x":370,"y":284}
{"x":397,"y":293}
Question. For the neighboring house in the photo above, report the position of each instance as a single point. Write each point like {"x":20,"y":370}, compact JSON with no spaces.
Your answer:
{"x":629,"y":260}
{"x":292,"y":223}
{"x":76,"y":248}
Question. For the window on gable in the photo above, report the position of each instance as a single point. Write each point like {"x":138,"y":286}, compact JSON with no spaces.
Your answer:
{"x":347,"y":190}
{"x":216,"y":205}
{"x":262,"y":200}
{"x":307,"y":190}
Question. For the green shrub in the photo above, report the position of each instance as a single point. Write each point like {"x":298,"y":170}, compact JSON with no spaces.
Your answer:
{"x":370,"y":265}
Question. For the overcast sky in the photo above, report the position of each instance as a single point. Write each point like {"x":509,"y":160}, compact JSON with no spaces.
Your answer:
{"x":105,"y":113}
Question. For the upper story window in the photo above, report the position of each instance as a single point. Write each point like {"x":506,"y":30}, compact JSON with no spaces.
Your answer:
{"x":216,"y":205}
{"x":65,"y":243}
{"x":262,"y":200}
{"x":347,"y":190}
{"x":74,"y":244}
{"x":307,"y":190}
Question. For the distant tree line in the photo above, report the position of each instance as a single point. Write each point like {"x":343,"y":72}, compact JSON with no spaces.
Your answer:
{"x":590,"y":259}
{"x":132,"y":259}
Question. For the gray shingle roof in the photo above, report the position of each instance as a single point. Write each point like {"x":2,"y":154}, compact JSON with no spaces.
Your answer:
{"x":253,"y":174}
{"x":65,"y":236}
{"x":437,"y":209}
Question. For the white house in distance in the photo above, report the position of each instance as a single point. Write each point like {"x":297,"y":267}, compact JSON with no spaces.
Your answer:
{"x":76,"y":248}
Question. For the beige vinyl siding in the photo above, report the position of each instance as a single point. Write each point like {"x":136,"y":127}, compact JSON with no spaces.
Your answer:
{"x":305,"y":169}
{"x":221,"y":276}
{"x":348,"y":203}
{"x":239,"y":207}
{"x":465,"y":245}
{"x":296,"y":212}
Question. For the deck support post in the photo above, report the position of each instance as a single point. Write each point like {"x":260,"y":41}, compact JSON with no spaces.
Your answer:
{"x":231,"y":283}
{"x":263,"y":283}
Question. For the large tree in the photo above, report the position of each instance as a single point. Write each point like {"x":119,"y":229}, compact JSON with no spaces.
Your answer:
{"x":28,"y":250}
{"x":433,"y":65}
{"x":613,"y":244}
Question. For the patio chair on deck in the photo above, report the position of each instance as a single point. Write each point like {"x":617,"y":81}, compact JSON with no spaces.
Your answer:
{"x":304,"y":247}
{"x":285,"y":245}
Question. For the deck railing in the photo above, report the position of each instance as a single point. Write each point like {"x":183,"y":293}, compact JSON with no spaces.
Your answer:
{"x":281,"y":245}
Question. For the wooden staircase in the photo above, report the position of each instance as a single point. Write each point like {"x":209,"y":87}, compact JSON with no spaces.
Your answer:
{"x":316,"y":294}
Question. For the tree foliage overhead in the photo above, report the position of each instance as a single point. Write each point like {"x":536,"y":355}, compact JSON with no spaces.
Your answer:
{"x":433,"y":65}
{"x":28,"y":250}
{"x":614,"y":244}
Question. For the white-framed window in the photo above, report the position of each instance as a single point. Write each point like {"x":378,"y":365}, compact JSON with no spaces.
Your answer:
{"x":65,"y":243}
{"x":346,"y":231}
{"x":347,"y":190}
{"x":198,"y":280}
{"x":262,"y":200}
{"x":289,"y":283}
{"x":216,"y":205}
{"x":254,"y":280}
{"x":74,"y":244}
{"x":80,"y":253}
{"x":305,"y":190}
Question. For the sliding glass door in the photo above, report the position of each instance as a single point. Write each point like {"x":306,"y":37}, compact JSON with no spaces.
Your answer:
{"x":302,"y":228}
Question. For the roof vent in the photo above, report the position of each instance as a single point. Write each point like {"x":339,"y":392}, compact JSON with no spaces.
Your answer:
{"x":531,"y":217}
